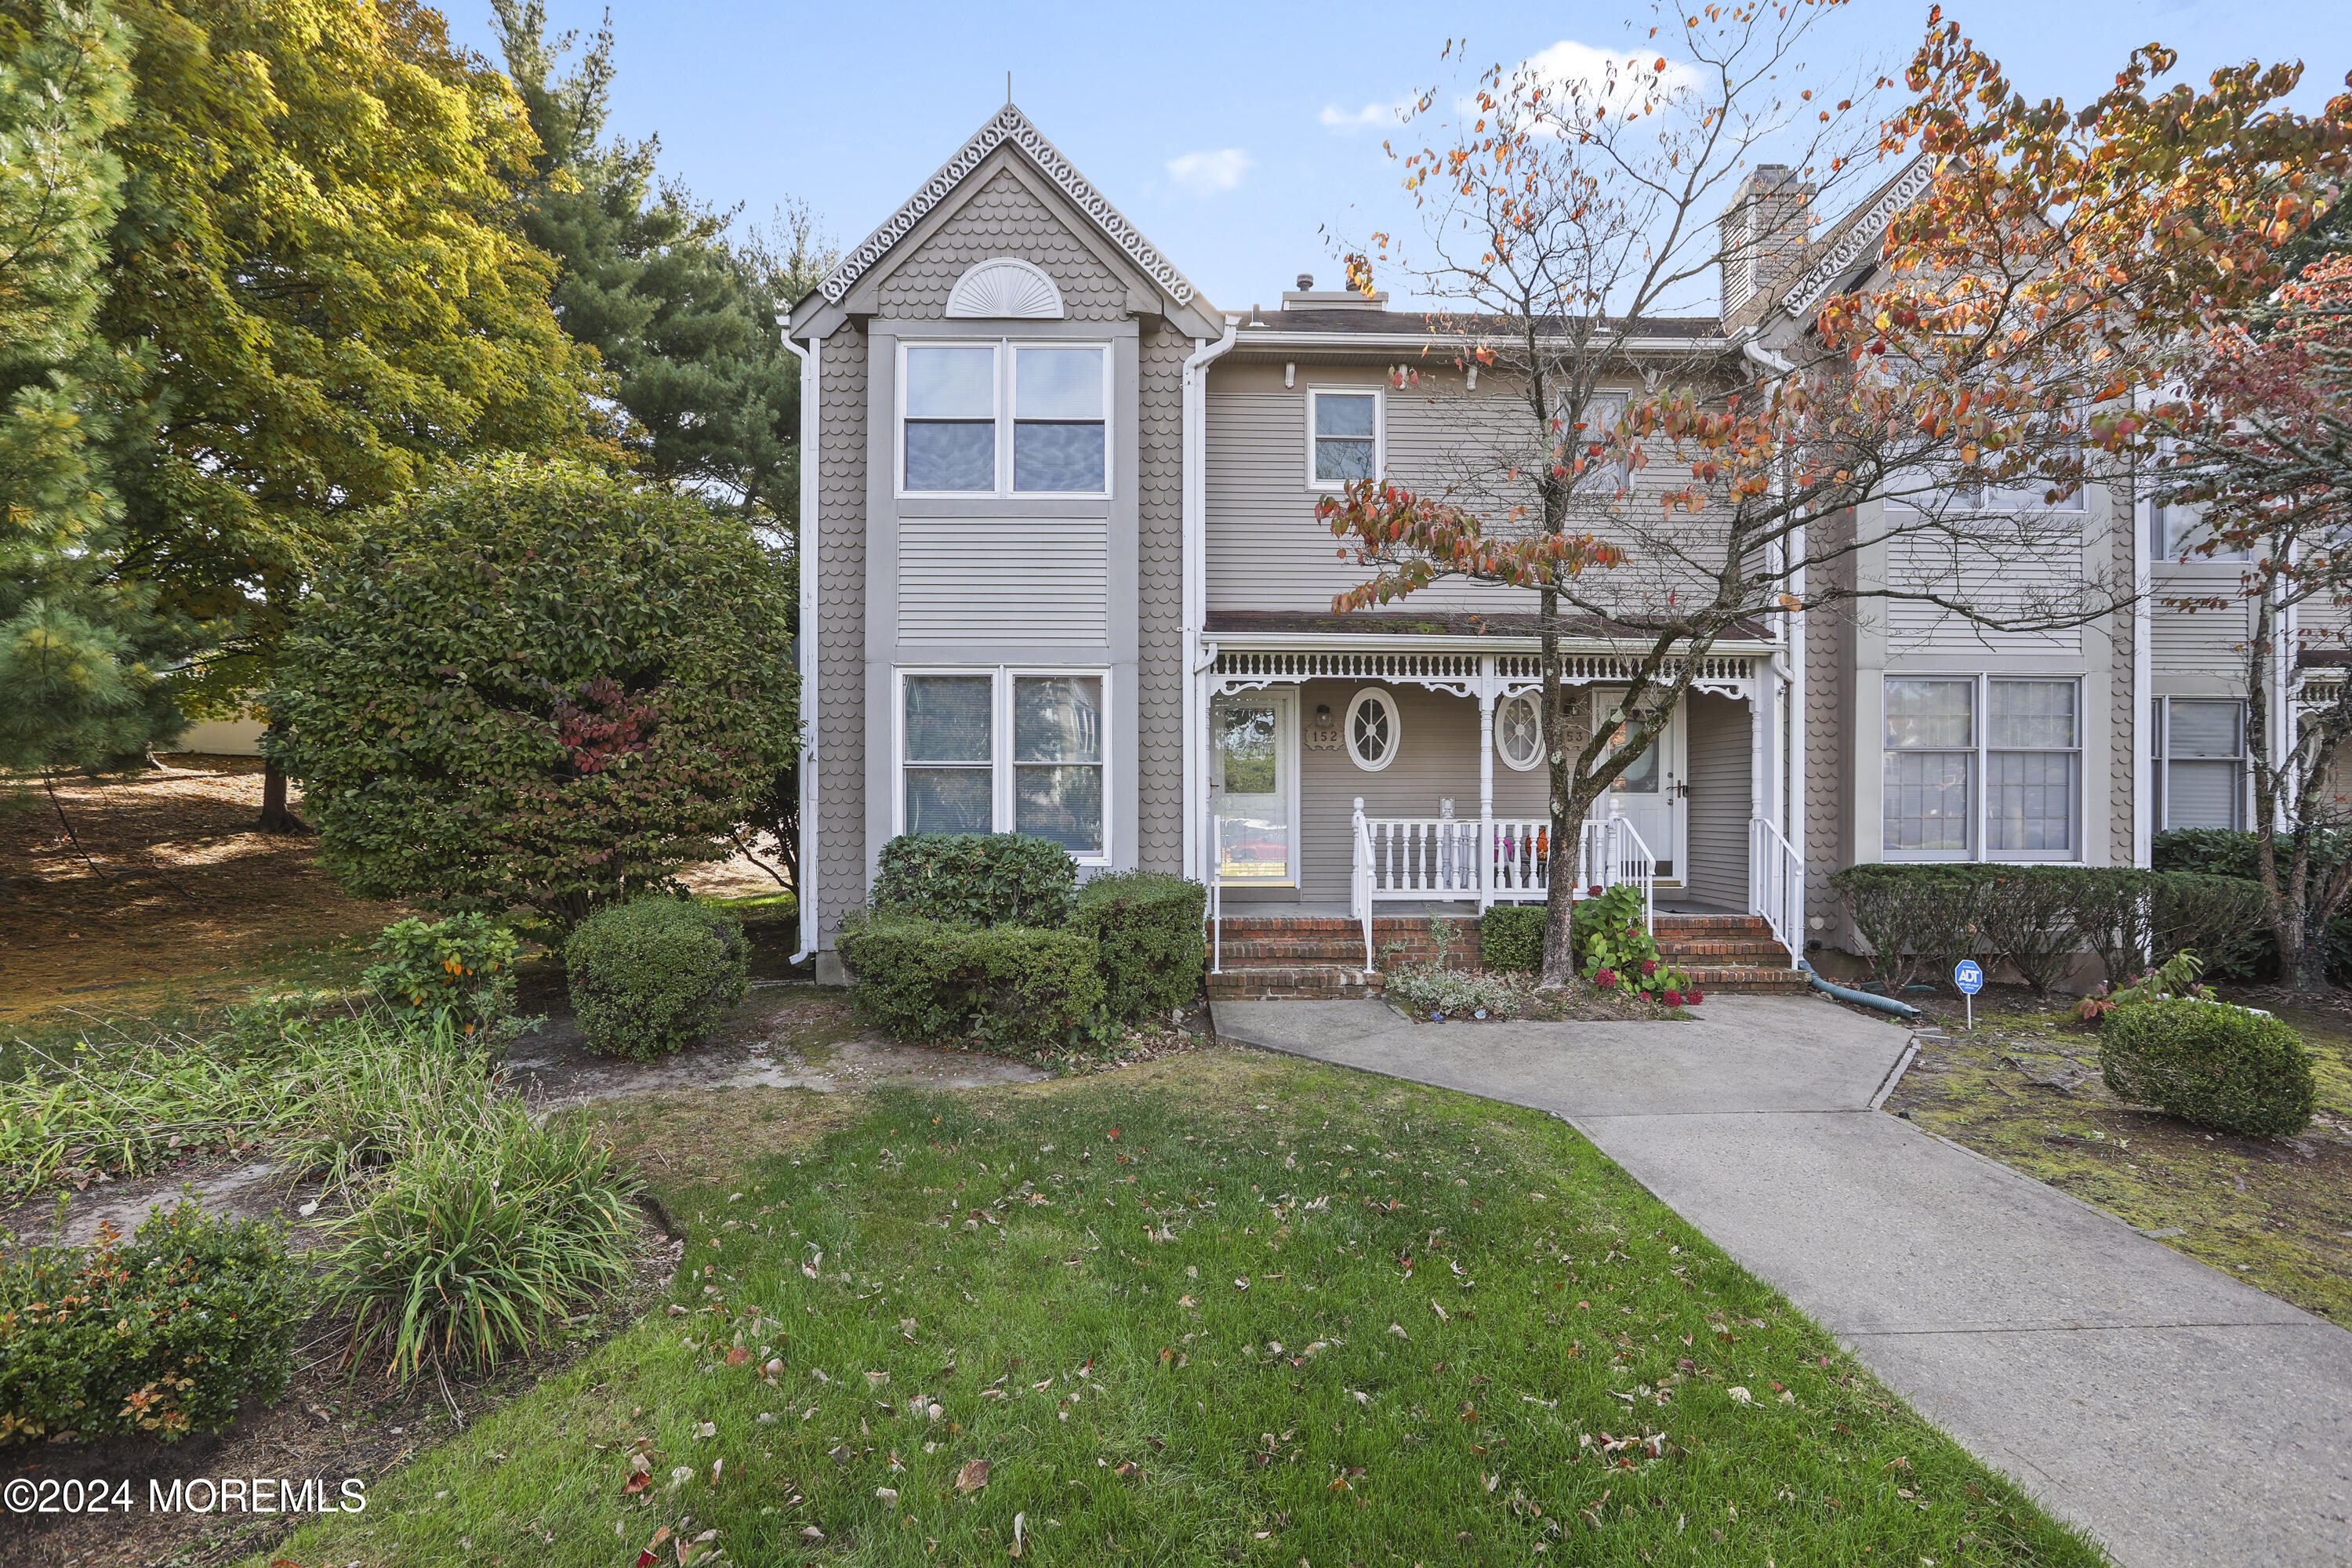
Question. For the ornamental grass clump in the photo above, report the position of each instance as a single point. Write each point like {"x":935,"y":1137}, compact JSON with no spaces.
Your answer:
{"x":173,"y":1331}
{"x":472,"y":1228}
{"x":651,"y":976}
{"x":2228,"y":1069}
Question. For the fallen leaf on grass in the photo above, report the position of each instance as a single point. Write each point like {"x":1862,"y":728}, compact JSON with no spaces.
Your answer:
{"x":1740,"y":1395}
{"x":972,"y":1476}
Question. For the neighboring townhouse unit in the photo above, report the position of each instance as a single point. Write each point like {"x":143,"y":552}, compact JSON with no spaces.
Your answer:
{"x":1062,"y":575}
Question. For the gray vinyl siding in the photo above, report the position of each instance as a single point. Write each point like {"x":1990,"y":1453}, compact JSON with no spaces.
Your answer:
{"x":1721,"y":788}
{"x":840,"y":701}
{"x":963,"y":580}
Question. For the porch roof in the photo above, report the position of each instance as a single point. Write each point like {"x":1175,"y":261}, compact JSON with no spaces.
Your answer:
{"x":1513,"y":627}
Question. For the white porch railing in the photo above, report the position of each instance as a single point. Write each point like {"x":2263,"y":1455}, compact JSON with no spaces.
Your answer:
{"x":1501,"y":860}
{"x":1776,"y":884}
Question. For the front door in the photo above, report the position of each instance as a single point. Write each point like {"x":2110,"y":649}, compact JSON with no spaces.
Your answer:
{"x":1254,"y":788}
{"x":1650,"y":794}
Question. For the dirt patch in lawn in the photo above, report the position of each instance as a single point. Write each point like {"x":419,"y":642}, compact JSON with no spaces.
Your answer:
{"x":2024,"y":1088}
{"x":176,"y":887}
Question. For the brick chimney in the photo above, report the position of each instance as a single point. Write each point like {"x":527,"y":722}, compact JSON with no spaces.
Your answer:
{"x":1763,"y":234}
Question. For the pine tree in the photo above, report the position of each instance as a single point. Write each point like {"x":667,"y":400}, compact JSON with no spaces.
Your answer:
{"x":82,"y":647}
{"x":683,"y":314}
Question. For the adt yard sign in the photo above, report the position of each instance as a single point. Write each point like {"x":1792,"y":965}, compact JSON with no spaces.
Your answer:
{"x":1971,"y":979}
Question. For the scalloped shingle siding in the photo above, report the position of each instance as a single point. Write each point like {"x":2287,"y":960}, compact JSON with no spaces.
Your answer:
{"x":1159,"y":674}
{"x":841,"y":630}
{"x":1002,"y":219}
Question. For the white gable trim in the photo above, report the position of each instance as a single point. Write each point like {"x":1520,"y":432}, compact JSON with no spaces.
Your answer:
{"x":1866,"y":232}
{"x":1009,"y":126}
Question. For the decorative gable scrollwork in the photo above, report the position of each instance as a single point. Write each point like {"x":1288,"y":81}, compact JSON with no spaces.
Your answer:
{"x":1865,"y":234}
{"x":1009,"y":125}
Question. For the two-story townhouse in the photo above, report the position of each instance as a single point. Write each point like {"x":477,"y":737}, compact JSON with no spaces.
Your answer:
{"x":1062,"y":575}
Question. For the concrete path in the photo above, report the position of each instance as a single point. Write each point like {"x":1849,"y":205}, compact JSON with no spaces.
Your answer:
{"x":2187,"y":1420}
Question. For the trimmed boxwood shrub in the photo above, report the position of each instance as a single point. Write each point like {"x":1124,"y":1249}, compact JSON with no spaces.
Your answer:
{"x":650,"y":976}
{"x":1511,"y":936}
{"x":2230,"y":1069}
{"x":173,"y":1331}
{"x":1146,"y":928}
{"x":976,"y":879}
{"x":1028,"y":989}
{"x":1915,"y":918}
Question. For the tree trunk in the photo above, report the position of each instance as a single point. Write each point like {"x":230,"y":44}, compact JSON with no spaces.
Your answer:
{"x":276,"y":818}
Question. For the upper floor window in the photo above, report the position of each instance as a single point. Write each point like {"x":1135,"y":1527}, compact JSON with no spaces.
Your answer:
{"x":2175,"y":530}
{"x":955,"y":439}
{"x":1345,"y":433}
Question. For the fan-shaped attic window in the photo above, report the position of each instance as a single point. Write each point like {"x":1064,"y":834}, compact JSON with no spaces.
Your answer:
{"x":1005,"y":288}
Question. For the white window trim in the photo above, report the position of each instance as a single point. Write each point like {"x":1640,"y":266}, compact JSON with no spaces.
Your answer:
{"x":1387,"y":700}
{"x":1980,"y":749}
{"x":1379,"y":395}
{"x":1007,"y":364}
{"x":2160,"y":755}
{"x":1535,"y":701}
{"x":1000,"y":764}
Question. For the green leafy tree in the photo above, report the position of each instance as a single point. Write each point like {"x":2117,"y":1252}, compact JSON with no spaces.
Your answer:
{"x":81,"y":650}
{"x":317,"y":239}
{"x":537,"y":685}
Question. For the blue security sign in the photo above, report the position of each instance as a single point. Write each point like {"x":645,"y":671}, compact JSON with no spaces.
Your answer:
{"x":1967,"y":976}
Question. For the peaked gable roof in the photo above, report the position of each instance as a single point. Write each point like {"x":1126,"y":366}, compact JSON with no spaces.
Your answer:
{"x":1853,"y":239}
{"x":1009,"y":127}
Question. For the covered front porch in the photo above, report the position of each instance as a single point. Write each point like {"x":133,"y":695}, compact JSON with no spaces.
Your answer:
{"x":1395,"y":776}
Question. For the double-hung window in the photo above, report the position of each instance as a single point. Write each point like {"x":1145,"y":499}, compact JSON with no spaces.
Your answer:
{"x":1982,"y":767}
{"x":2175,"y":530}
{"x":955,"y":438}
{"x":1344,"y":435}
{"x":1004,"y":751}
{"x":2200,"y":763}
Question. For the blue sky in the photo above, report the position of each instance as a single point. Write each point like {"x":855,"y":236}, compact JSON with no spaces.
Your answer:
{"x":1229,"y":134}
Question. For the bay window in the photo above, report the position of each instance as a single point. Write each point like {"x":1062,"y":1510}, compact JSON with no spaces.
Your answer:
{"x":1004,"y":751}
{"x":1982,"y":767}
{"x":954,"y":435}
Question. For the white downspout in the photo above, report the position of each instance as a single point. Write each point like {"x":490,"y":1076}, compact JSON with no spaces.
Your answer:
{"x":1794,"y":805}
{"x":1196,"y":591}
{"x":805,"y":533}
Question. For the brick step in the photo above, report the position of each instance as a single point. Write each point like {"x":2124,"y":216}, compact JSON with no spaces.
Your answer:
{"x":1261,"y":952}
{"x":1747,"y":978}
{"x":1298,"y":983}
{"x":1687,"y":950}
{"x":1712,"y":926}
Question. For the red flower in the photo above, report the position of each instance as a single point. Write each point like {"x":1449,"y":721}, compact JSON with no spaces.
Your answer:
{"x":1605,"y":978}
{"x":1648,"y":967}
{"x":1694,"y":998}
{"x":1674,"y":998}
{"x":1596,"y":890}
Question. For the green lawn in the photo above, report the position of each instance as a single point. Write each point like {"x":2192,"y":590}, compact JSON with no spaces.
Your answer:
{"x":1221,"y":1308}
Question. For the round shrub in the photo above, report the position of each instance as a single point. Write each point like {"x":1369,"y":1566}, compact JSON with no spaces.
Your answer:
{"x":2220,"y":1067}
{"x":535,"y":684}
{"x":976,"y":879}
{"x":1146,"y":926}
{"x":650,"y":976}
{"x":1511,"y":936}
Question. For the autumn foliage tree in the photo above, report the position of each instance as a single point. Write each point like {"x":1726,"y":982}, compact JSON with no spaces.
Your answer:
{"x":2050,"y":267}
{"x":2257,"y":445}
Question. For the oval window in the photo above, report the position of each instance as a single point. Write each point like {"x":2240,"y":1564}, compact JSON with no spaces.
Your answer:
{"x":1518,"y":731}
{"x":1373,"y":730}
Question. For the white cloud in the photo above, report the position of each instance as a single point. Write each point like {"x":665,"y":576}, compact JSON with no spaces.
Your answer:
{"x":1568,"y":63}
{"x":1206,"y":173}
{"x":1371,"y":117}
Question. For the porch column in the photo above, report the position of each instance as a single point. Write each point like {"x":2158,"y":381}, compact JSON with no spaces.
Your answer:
{"x":1486,"y":686}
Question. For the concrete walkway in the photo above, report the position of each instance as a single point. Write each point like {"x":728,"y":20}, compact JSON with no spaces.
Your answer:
{"x":2187,"y":1420}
